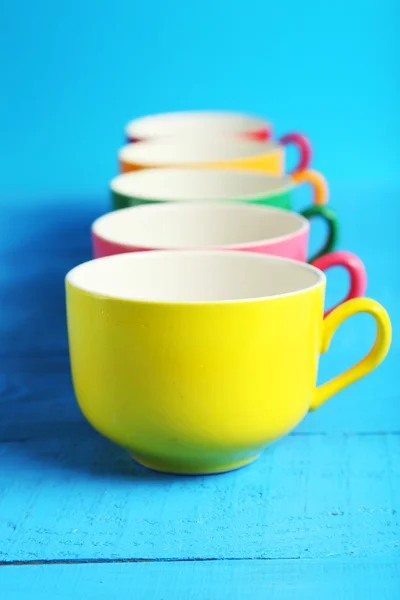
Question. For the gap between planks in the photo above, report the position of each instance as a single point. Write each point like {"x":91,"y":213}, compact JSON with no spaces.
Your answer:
{"x":101,"y":561}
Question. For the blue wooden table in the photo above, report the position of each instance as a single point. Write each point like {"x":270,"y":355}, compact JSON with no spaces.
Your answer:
{"x":317,"y":516}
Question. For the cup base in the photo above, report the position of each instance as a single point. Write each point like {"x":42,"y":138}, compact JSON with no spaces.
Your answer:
{"x":182,"y":469}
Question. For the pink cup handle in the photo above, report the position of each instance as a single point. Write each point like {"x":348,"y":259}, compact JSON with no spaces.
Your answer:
{"x":304,"y":146}
{"x":355,"y":268}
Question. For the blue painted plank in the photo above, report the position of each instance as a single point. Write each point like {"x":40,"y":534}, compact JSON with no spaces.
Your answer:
{"x":38,"y":246}
{"x":69,"y":494}
{"x":237,"y":580}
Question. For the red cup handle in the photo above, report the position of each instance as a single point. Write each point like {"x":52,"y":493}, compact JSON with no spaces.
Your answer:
{"x":304,"y":146}
{"x":353,"y":265}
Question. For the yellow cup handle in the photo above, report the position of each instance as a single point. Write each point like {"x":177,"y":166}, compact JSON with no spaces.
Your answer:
{"x":367,"y":364}
{"x":318,"y":183}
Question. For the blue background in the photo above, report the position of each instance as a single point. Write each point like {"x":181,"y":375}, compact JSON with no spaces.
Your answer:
{"x":73,"y":73}
{"x":318,"y":515}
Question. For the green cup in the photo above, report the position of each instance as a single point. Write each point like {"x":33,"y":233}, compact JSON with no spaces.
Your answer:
{"x":220,"y":185}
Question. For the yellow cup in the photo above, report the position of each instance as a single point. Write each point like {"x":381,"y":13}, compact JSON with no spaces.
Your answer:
{"x":194,"y":361}
{"x":220,"y":153}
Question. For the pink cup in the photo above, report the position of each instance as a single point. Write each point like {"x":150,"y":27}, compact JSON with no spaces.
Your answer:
{"x":218,"y":226}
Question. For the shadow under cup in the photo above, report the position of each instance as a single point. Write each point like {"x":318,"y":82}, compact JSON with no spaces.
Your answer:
{"x":195,"y":361}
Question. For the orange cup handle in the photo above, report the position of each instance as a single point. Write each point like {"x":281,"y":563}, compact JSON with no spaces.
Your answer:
{"x":318,"y":183}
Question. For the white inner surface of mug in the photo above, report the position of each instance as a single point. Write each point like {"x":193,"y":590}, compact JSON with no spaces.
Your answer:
{"x":194,"y":277}
{"x":197,"y":225}
{"x":171,"y":184}
{"x":194,"y":122}
{"x":180,"y":151}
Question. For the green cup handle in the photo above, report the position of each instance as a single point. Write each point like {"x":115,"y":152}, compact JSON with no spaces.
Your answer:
{"x":330,"y":217}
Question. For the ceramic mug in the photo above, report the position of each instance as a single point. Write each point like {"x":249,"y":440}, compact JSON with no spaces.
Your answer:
{"x":223,"y":226}
{"x":195,"y":361}
{"x":218,"y":153}
{"x":212,"y":124}
{"x":195,"y":185}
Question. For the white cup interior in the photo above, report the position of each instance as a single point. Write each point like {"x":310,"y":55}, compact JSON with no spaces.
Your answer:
{"x":186,"y":151}
{"x":198,"y":225}
{"x":194,"y":277}
{"x":171,"y":184}
{"x":188,"y":123}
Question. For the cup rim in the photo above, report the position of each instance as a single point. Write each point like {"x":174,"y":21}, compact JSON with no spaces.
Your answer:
{"x":320,"y":278}
{"x":186,"y":151}
{"x":151,"y":176}
{"x":141,"y":127}
{"x":261,"y":212}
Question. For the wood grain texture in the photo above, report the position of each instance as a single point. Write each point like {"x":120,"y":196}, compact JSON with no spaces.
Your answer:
{"x":73,"y":495}
{"x":236,"y":580}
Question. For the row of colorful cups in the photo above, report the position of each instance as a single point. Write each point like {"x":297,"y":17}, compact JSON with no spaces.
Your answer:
{"x":196,"y":331}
